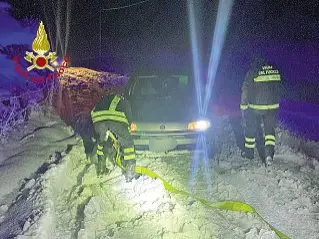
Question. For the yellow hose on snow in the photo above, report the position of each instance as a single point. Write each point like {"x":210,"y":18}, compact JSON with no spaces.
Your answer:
{"x":224,"y":205}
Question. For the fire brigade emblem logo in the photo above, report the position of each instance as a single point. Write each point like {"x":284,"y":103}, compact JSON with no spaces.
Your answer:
{"x":41,"y":46}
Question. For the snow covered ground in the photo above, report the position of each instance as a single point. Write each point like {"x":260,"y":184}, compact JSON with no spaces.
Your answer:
{"x":60,"y":196}
{"x":48,"y":189}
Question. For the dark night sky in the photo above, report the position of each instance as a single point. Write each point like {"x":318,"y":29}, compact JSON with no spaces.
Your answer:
{"x":164,"y":23}
{"x":297,"y":20}
{"x":161,"y":26}
{"x":156,"y":33}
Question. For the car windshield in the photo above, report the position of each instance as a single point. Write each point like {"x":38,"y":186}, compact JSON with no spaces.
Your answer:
{"x":158,"y":86}
{"x":162,"y":98}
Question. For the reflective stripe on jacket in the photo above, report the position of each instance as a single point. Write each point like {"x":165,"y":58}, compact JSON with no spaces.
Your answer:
{"x":259,"y":107}
{"x":99,"y":113}
{"x":261,"y":89}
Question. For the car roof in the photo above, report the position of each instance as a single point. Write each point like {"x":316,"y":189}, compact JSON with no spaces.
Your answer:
{"x":160,"y":72}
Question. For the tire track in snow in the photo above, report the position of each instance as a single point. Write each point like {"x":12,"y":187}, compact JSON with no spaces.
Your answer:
{"x":64,"y":185}
{"x":75,"y":194}
{"x":78,"y":198}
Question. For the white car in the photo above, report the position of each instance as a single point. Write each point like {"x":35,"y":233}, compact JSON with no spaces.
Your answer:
{"x":164,"y":112}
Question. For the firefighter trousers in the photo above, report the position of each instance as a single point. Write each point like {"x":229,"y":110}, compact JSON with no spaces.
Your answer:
{"x":253,"y":125}
{"x":121,"y":130}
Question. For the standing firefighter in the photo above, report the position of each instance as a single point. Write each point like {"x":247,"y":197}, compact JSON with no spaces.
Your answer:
{"x":109,"y":114}
{"x":259,"y":104}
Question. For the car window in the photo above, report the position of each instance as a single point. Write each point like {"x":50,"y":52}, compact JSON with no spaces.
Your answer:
{"x":159,"y":86}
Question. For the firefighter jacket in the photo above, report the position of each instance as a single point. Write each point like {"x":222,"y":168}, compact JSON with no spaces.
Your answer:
{"x":261,"y":88}
{"x":111,"y":107}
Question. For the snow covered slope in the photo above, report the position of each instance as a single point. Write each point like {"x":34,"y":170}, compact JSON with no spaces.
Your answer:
{"x":81,"y":88}
{"x":25,"y":156}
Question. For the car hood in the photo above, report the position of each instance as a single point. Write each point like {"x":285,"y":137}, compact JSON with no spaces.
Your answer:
{"x":162,"y":110}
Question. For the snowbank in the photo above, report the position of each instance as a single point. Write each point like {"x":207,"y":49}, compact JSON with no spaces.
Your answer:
{"x":308,"y":148}
{"x":24,"y":156}
{"x":81,"y":88}
{"x":290,"y":188}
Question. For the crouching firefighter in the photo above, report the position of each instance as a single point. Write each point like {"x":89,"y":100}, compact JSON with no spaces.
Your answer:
{"x":259,"y":105}
{"x":109,"y":114}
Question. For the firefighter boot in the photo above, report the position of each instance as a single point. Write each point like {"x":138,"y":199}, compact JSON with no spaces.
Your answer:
{"x":269,"y":156}
{"x":129,"y":170}
{"x":248,"y":153}
{"x":268,"y":161}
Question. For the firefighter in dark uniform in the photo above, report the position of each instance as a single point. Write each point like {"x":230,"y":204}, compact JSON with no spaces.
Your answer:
{"x":109,"y":114}
{"x":259,"y":104}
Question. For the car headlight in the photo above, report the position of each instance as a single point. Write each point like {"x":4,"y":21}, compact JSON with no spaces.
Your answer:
{"x":200,"y":125}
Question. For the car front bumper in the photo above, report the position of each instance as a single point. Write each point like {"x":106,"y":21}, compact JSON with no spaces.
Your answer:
{"x":165,"y":141}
